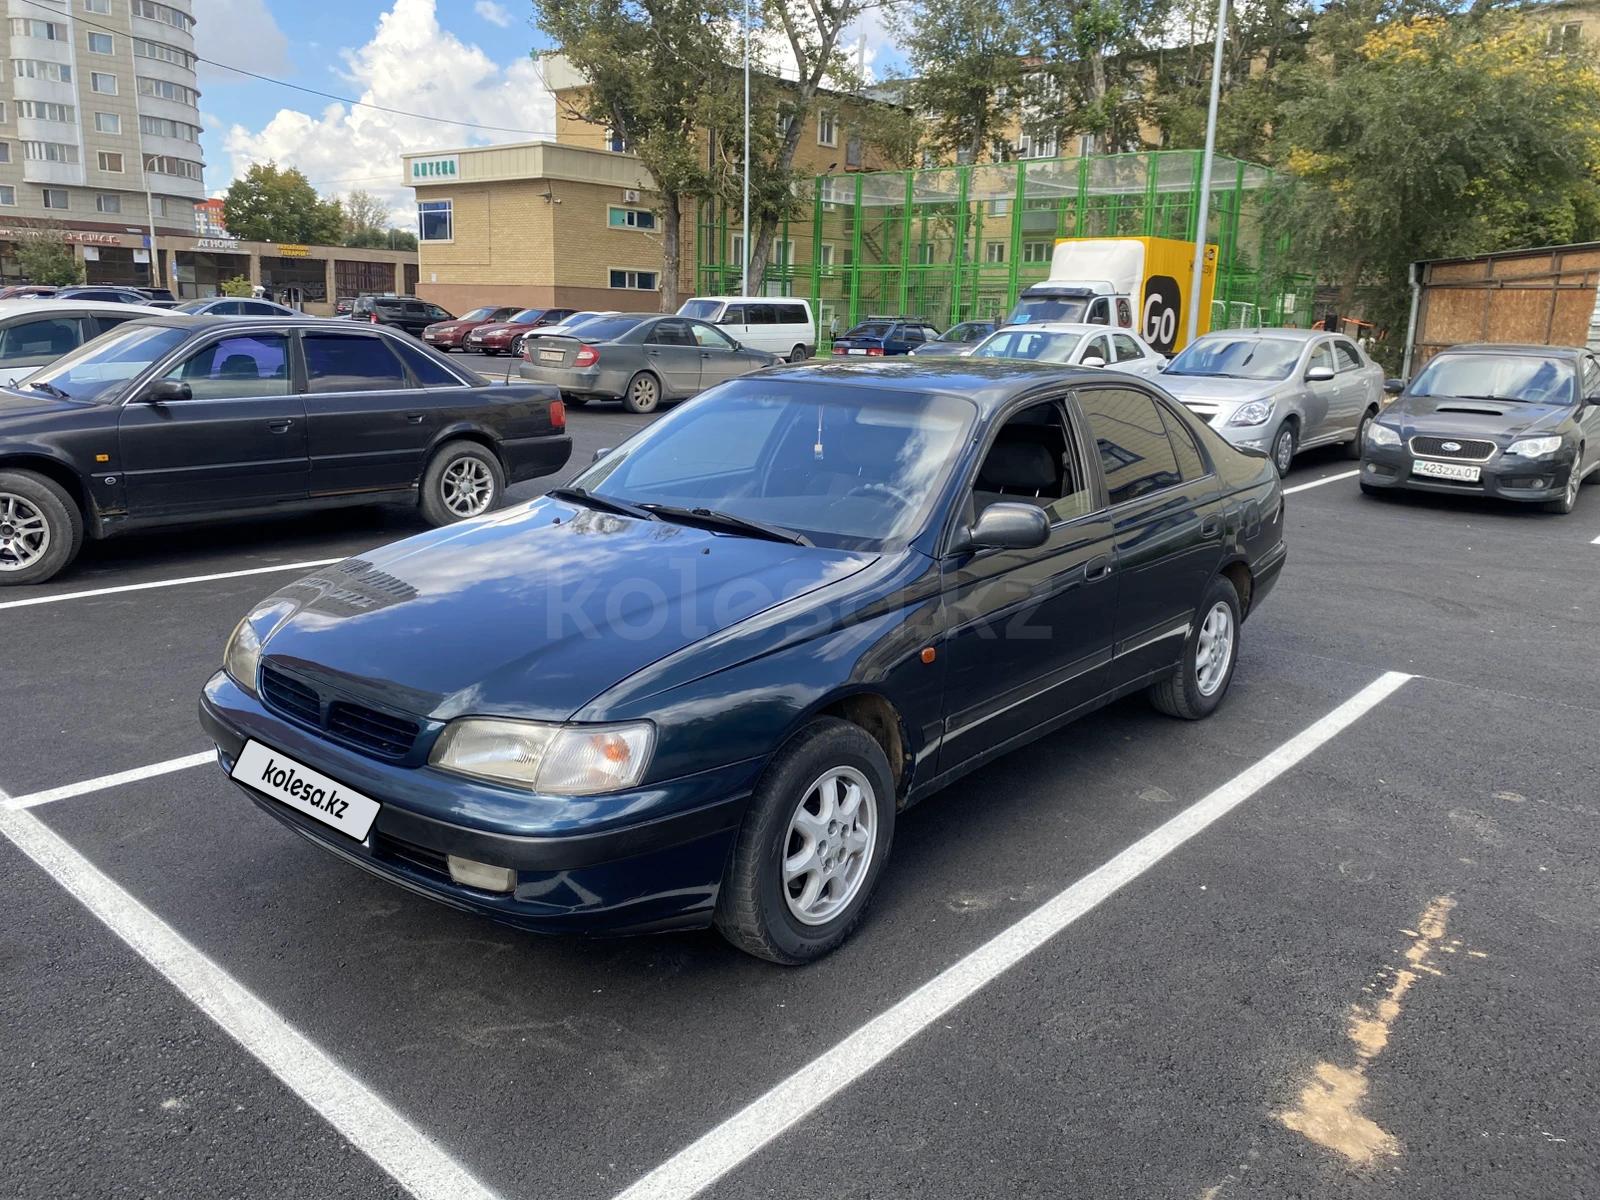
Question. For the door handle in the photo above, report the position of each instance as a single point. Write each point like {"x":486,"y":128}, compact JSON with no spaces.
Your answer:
{"x":415,"y":418}
{"x":653,"y":353}
{"x":1097,"y":568}
{"x":1210,"y":527}
{"x":279,"y":426}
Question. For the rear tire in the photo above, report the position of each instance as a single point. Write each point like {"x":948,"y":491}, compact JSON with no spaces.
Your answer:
{"x":643,"y":394}
{"x":1284,"y":444}
{"x":462,"y":480}
{"x":1353,"y":449}
{"x":1198,"y":684}
{"x":804,"y":866}
{"x":41,"y":529}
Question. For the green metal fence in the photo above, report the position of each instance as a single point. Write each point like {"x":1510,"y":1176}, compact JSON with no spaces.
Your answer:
{"x":957,"y":243}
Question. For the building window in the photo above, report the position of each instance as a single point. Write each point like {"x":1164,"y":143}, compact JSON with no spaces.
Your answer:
{"x":2,"y":112}
{"x":633,"y":281}
{"x":994,"y":252}
{"x":925,"y":254}
{"x":100,"y":82}
{"x":5,"y":152}
{"x":435,"y":221}
{"x":8,"y":196}
{"x":107,"y":123}
{"x":852,"y":150}
{"x":107,"y":203}
{"x":101,"y":43}
{"x":166,"y":164}
{"x":39,"y":110}
{"x":103,"y":7}
{"x":162,"y":127}
{"x":615,"y":142}
{"x":837,"y":191}
{"x":56,"y":152}
{"x":630,"y":218}
{"x":1036,"y":252}
{"x":55,"y":197}
{"x":161,"y":52}
{"x":46,"y":30}
{"x":999,"y":208}
{"x":827,"y":129}
{"x":1566,"y":37}
{"x":165,"y":89}
{"x":111,"y":160}
{"x":164,"y":13}
{"x":825,"y":255}
{"x":36,"y":68}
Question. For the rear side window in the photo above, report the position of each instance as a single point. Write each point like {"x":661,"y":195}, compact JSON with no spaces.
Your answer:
{"x":671,"y":333}
{"x":1135,"y":454}
{"x":1349,"y":360}
{"x":792,"y":314}
{"x":236,"y":367}
{"x":1190,"y":464}
{"x":430,"y":372}
{"x":1127,"y":349}
{"x":30,"y":339}
{"x":341,"y":363}
{"x":763,"y":314}
{"x":257,"y":308}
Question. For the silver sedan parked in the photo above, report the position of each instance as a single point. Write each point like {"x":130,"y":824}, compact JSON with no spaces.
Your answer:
{"x":1279,"y":390}
{"x":1073,"y":344}
{"x":640,"y":359}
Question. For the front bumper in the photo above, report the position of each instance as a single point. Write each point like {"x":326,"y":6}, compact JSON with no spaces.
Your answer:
{"x":628,"y":862}
{"x":445,"y":341}
{"x":1503,"y":477}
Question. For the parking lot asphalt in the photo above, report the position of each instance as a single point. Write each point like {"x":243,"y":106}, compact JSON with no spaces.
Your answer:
{"x":1372,"y":977}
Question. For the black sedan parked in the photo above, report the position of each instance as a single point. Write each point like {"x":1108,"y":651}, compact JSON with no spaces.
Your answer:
{"x":174,"y":419}
{"x":700,"y":684}
{"x":1517,"y":422}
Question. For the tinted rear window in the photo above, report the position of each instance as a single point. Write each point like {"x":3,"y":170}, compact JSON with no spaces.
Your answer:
{"x":342,"y":363}
{"x":869,"y":331}
{"x":605,"y":329}
{"x":430,"y":372}
{"x":792,"y":314}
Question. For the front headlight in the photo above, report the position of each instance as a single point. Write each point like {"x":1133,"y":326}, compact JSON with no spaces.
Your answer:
{"x":1534,"y":447}
{"x":565,"y":760}
{"x":1381,"y":435}
{"x":1255,"y":413}
{"x":241,"y":658}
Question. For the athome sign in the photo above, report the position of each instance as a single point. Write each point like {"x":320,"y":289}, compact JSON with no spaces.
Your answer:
{"x":434,"y":168}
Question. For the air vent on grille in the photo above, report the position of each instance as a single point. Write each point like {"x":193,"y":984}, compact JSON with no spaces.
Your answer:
{"x":376,"y":731}
{"x":1436,"y":447}
{"x":290,"y":697}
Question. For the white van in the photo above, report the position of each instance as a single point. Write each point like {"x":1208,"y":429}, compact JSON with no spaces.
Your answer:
{"x":776,"y":324}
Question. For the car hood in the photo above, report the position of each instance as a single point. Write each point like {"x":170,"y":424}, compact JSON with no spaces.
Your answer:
{"x":941,"y":349}
{"x":530,"y":613}
{"x":1215,"y":389}
{"x":1446,"y":415}
{"x":15,"y":405}
{"x":454,"y":326}
{"x":500,"y":327}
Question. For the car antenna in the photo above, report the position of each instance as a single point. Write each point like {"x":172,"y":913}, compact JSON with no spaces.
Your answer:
{"x":816,"y":447}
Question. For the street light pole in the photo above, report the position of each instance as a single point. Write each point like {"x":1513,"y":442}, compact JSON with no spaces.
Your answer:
{"x":1196,"y":280}
{"x":744,"y":242}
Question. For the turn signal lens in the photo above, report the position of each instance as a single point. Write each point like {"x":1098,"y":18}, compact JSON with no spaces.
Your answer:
{"x":470,"y":873}
{"x":587,"y":357}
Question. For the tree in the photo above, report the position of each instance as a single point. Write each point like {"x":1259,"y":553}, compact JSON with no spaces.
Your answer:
{"x":238,"y":286}
{"x":400,"y":239}
{"x":656,"y":77}
{"x":1438,"y":137}
{"x":44,"y":257}
{"x":966,"y":71}
{"x":273,"y":204}
{"x":364,"y":215}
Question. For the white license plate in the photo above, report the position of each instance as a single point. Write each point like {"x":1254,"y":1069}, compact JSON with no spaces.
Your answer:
{"x":855,"y":350}
{"x":1441,"y":470}
{"x":430,"y":336}
{"x":308,"y":791}
{"x":554,"y":356}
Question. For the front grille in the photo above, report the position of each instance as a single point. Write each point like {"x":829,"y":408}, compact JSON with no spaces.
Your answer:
{"x":356,"y":725}
{"x":1466,"y":449}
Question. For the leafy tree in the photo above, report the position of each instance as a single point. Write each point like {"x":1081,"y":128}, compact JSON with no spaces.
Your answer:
{"x":44,"y":257}
{"x":657,"y":76}
{"x":400,"y":239}
{"x":274,"y":204}
{"x":967,"y":72}
{"x":364,"y":214}
{"x":237,"y":286}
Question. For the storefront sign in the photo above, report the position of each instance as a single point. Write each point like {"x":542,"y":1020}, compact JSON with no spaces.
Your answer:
{"x":82,"y":236}
{"x":445,"y":167}
{"x":290,"y":250}
{"x":216,"y":243}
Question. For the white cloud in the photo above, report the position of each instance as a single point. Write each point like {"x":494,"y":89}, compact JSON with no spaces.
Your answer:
{"x":341,"y":148}
{"x":241,"y":33}
{"x":495,"y":14}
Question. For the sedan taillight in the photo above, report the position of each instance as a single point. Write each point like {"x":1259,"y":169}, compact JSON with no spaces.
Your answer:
{"x":373,"y":318}
{"x":587,"y":357}
{"x":874,"y":351}
{"x":558,"y":415}
{"x":838,"y":349}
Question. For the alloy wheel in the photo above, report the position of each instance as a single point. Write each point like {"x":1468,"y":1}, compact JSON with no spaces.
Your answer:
{"x":467,"y":486}
{"x":829,"y":845}
{"x":24,"y":533}
{"x":643,"y":393}
{"x":1214,"y":649}
{"x":1283,"y":451}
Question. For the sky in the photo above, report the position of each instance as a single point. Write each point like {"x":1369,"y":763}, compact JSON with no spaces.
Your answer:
{"x":450,"y":60}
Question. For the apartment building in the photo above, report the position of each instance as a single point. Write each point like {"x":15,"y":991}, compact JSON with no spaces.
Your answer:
{"x":98,"y":105}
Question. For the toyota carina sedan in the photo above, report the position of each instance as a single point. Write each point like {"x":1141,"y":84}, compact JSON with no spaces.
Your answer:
{"x":701,"y":684}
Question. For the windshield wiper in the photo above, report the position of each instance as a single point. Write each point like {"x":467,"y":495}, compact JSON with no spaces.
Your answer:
{"x":50,"y":388}
{"x":713,"y":519}
{"x":604,"y":503}
{"x":1494,"y":399}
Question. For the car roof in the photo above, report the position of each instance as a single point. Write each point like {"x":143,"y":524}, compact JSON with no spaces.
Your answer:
{"x":1514,"y":348}
{"x":1282,"y":335}
{"x":47,"y":304}
{"x":988,"y":382}
{"x":1061,"y":327}
{"x":750,"y":300}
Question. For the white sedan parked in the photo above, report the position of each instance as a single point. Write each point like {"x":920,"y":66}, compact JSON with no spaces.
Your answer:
{"x":1073,"y":344}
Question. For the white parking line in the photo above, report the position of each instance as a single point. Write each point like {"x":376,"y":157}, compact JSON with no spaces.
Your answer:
{"x":1300,"y":487}
{"x":69,"y":790}
{"x":1596,"y":542}
{"x":701,"y":1164}
{"x":30,"y":601}
{"x":364,"y":1118}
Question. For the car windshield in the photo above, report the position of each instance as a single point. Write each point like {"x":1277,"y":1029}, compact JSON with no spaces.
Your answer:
{"x":874,"y":330}
{"x":1031,"y":344}
{"x":848,"y":467}
{"x":704,"y":310}
{"x":1530,"y":378}
{"x":477,"y":314}
{"x":97,"y":370}
{"x":527,"y":316}
{"x":1036,"y":309}
{"x":1239,"y":358}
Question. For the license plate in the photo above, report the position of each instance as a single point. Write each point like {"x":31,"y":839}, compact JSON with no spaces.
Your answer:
{"x":430,"y":336}
{"x":855,"y":350}
{"x":308,"y":791}
{"x":1441,"y":470}
{"x":554,"y":356}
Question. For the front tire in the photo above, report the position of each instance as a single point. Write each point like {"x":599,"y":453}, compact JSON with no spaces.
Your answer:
{"x":462,"y":480}
{"x":1196,"y":687}
{"x":1352,"y":449}
{"x":812,"y":846}
{"x":41,"y":529}
{"x":798,"y":354}
{"x":643,"y":394}
{"x":1568,"y":500}
{"x":1284,"y":444}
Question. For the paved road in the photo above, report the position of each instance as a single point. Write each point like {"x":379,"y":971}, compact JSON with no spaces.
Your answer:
{"x":1374,"y":977}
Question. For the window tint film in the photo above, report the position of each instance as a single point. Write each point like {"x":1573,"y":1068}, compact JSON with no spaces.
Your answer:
{"x":1032,"y":461}
{"x":340,"y":363}
{"x":32,"y":339}
{"x":430,"y":372}
{"x":1190,"y":463}
{"x":1132,"y":440}
{"x":670,"y":333}
{"x":236,"y":367}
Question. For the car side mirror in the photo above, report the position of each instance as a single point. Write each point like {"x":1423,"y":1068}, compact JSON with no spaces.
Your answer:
{"x":165,"y":390}
{"x":601,"y":453}
{"x":1319,"y":374}
{"x":1007,"y":526}
{"x":1393,"y":387}
{"x":1094,"y":360}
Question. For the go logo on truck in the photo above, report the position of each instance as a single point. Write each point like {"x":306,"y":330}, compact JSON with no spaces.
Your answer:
{"x":1161,"y":313}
